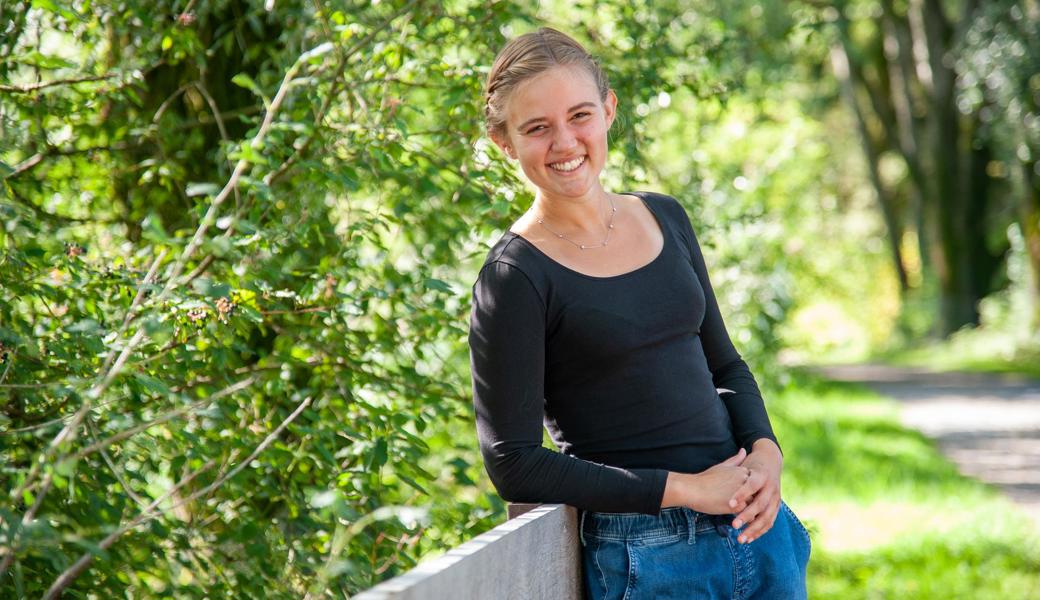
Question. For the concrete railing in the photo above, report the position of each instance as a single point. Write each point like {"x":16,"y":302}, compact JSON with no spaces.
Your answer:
{"x":535,"y":554}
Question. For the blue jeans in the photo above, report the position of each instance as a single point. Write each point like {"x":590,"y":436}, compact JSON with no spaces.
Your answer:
{"x":683,"y":553}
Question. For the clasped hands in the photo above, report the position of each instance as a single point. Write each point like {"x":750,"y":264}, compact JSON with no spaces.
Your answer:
{"x":747,"y":485}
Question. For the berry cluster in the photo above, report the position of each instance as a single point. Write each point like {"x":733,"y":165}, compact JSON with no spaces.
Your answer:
{"x":224,"y":309}
{"x":73,"y":250}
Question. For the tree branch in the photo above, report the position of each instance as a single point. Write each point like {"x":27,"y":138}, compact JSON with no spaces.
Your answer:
{"x":337,"y":82}
{"x":145,"y":515}
{"x":150,"y":512}
{"x":132,"y":431}
{"x":105,"y":378}
{"x":33,"y":87}
{"x":42,"y":214}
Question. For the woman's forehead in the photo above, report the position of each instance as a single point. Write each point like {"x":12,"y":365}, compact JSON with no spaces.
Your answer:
{"x":551,"y":92}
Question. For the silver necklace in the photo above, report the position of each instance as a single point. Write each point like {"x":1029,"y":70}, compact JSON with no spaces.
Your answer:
{"x":610,"y":226}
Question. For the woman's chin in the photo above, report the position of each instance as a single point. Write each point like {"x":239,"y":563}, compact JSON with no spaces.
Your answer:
{"x":567,"y":186}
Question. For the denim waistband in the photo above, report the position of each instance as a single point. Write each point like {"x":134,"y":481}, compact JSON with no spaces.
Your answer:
{"x":671,"y":521}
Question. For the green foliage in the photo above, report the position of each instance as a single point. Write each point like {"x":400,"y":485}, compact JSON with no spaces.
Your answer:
{"x":236,"y":253}
{"x":931,"y":532}
{"x":237,"y":246}
{"x":294,"y":354}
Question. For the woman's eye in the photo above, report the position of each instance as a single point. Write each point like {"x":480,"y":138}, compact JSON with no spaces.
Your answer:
{"x":539,"y":128}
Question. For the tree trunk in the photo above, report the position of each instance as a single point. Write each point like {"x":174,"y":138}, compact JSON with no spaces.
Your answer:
{"x":959,"y":196}
{"x":900,"y":60}
{"x":1029,"y":221}
{"x":850,"y":74}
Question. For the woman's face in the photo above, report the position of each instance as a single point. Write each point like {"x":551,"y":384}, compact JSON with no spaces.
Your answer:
{"x":557,"y":129}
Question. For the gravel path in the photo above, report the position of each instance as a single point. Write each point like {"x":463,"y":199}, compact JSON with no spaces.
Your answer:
{"x":989,"y":425}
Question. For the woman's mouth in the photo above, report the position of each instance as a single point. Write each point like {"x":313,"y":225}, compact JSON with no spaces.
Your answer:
{"x":569,"y":166}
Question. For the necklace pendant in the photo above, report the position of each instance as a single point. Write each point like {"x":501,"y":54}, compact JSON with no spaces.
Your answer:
{"x":610,"y":225}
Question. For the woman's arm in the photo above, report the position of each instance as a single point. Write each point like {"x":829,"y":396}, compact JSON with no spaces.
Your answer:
{"x":507,"y":359}
{"x":729,"y":371}
{"x":757,"y":501}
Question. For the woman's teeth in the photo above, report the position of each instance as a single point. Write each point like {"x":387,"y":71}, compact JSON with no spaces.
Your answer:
{"x":568,"y":166}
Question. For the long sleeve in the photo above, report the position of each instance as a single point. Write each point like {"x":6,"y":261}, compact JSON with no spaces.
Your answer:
{"x":507,"y":340}
{"x":730,"y":373}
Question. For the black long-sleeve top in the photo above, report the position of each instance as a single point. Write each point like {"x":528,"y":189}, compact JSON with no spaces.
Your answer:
{"x":632,"y":375}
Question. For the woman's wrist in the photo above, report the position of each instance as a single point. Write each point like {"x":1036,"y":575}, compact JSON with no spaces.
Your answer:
{"x":678,"y":489}
{"x":768,"y":446}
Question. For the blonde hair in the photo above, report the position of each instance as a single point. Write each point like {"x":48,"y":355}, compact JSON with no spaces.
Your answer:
{"x":529,"y":55}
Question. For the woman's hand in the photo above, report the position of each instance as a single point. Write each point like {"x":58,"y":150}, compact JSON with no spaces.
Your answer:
{"x":758,"y":500}
{"x":711,"y":489}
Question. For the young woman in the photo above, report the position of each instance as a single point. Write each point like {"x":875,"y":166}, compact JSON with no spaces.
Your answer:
{"x":594,"y":316}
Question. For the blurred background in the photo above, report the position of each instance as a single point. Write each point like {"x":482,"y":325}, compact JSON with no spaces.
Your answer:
{"x":239,"y":238}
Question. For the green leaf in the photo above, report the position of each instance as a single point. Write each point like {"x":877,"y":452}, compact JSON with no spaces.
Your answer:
{"x":84,"y":326}
{"x":152,"y":230}
{"x":218,"y":246}
{"x":152,"y":383}
{"x":251,"y":314}
{"x":378,"y":456}
{"x":244,"y":80}
{"x":66,"y":468}
{"x":44,"y":61}
{"x":89,"y":545}
{"x":437,"y":284}
{"x":202,"y":189}
{"x":317,"y":52}
{"x":325,"y":498}
{"x":248,"y":153}
{"x":212,"y":289}
{"x":412,"y":483}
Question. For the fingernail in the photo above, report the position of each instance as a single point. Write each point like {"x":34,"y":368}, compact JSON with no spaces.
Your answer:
{"x":737,"y":524}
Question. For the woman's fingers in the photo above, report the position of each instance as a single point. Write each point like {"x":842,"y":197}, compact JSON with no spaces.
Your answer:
{"x":756,"y":501}
{"x":762,"y":522}
{"x":736,"y":459}
{"x":754,"y":482}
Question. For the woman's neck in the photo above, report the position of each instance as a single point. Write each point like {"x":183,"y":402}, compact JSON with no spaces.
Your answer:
{"x":586,"y":214}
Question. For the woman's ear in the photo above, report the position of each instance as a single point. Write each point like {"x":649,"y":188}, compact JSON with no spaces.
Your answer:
{"x":503,"y":143}
{"x":610,"y":107}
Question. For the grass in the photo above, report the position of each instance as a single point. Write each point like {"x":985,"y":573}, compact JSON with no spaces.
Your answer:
{"x":890,"y":517}
{"x":989,"y":350}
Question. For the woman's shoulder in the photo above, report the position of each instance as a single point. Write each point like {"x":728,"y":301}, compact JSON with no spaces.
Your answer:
{"x":510,"y":261}
{"x":510,"y":249}
{"x":668,"y":202}
{"x":670,"y":208}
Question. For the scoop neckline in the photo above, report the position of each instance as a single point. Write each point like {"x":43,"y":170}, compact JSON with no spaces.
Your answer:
{"x":655,"y":260}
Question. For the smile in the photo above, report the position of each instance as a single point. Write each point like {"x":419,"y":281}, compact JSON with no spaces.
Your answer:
{"x":569,"y":165}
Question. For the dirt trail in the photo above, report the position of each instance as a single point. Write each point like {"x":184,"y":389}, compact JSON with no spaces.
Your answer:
{"x":989,"y":425}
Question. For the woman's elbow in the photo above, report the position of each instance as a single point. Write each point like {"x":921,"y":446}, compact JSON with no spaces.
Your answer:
{"x":510,"y":472}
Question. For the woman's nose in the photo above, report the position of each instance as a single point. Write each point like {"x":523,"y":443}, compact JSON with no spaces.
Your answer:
{"x":564,"y":139}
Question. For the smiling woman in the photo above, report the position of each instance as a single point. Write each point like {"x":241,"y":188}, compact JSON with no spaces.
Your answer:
{"x":594,"y":316}
{"x":563,"y":147}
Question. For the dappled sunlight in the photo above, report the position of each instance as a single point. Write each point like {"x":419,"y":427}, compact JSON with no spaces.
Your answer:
{"x":851,"y":526}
